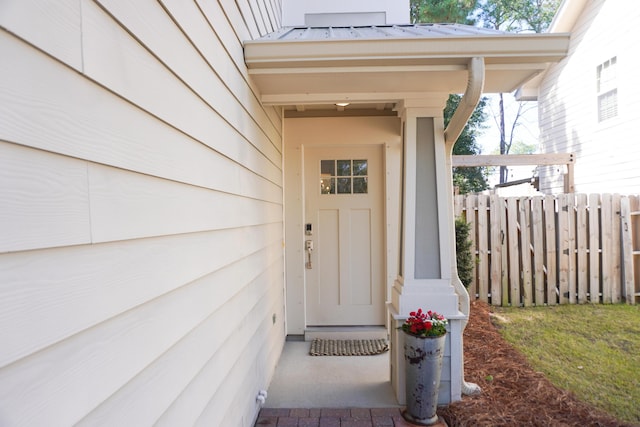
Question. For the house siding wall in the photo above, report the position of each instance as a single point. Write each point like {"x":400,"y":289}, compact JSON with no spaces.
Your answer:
{"x":141,"y":214}
{"x":606,"y":152}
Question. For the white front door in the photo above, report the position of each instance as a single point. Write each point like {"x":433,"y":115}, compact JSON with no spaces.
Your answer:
{"x":344,"y":207}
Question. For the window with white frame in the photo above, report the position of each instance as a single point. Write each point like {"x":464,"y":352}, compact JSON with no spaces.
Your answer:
{"x":607,"y":88}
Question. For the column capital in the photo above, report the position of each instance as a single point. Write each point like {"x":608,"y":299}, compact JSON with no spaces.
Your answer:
{"x":431,"y":105}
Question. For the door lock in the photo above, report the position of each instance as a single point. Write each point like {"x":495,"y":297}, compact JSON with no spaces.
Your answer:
{"x":308,"y":247}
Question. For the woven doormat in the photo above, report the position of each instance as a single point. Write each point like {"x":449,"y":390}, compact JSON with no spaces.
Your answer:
{"x":324,"y":347}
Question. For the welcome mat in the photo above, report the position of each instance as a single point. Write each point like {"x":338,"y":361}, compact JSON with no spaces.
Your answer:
{"x":324,"y":347}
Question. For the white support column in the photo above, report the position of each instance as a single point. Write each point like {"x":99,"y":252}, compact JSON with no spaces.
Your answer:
{"x":425,"y":279}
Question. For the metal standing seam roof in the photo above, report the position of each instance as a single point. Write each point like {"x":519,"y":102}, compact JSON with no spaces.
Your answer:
{"x":379,"y":32}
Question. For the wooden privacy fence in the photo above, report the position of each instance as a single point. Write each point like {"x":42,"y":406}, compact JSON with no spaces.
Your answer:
{"x":564,"y":249}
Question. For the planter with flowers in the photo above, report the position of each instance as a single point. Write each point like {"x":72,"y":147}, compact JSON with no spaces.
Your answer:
{"x":425,"y":335}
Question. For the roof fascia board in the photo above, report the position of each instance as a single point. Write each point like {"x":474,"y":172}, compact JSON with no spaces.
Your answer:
{"x":358,"y":69}
{"x":389,"y":68}
{"x":411,"y":51}
{"x":324,"y":98}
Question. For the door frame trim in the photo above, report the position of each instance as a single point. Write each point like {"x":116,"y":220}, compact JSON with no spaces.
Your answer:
{"x":325,"y":131}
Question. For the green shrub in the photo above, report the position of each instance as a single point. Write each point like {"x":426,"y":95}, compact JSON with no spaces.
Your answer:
{"x":464,"y":257}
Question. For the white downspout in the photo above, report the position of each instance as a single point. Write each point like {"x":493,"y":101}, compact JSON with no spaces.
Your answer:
{"x":468,"y":103}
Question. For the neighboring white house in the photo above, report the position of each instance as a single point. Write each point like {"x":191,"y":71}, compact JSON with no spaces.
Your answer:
{"x":159,"y":164}
{"x":589,"y":103}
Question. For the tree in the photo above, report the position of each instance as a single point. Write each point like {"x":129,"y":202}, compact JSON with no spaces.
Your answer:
{"x":468,"y":180}
{"x":518,"y":16}
{"x":443,"y":11}
{"x":457,"y":11}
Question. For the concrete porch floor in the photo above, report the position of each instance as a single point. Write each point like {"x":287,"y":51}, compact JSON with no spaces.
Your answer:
{"x":304,"y":381}
{"x":331,"y":391}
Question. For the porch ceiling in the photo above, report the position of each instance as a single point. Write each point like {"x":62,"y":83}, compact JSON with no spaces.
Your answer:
{"x":313,"y":66}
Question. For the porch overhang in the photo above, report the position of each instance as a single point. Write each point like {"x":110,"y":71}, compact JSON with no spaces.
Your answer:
{"x":298,"y":66}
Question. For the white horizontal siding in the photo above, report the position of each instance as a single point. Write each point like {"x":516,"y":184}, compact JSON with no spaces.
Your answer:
{"x":51,"y":284}
{"x":45,"y":200}
{"x":116,"y":60}
{"x":141,"y":260}
{"x":53,"y":26}
{"x":209,"y":305}
{"x":94,"y":124}
{"x":568,"y":103}
{"x":125,"y":206}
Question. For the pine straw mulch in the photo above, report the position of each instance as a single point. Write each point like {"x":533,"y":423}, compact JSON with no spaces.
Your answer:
{"x":517,"y":395}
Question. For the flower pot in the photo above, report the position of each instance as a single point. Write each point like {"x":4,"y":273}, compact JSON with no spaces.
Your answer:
{"x":423,"y":365}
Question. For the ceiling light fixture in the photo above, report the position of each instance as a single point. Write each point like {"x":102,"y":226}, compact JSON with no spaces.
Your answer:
{"x":342,"y":104}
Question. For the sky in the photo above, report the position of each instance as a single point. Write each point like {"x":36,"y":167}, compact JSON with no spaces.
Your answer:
{"x":526,"y":131}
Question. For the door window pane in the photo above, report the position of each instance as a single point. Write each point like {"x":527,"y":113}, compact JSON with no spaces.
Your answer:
{"x":328,"y":167}
{"x":344,"y":176}
{"x":344,"y":185}
{"x":360,"y":167}
{"x":360,"y":186}
{"x":328,"y":186}
{"x":344,"y":167}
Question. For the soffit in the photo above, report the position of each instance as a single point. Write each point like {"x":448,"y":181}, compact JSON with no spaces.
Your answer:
{"x":388,"y":63}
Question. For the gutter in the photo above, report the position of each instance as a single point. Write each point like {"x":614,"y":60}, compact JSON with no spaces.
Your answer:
{"x":468,"y":103}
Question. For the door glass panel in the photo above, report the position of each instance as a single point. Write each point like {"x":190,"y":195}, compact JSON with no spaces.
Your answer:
{"x":344,"y":168}
{"x":344,"y":176}
{"x":360,"y":167}
{"x":344,"y":185}
{"x":328,"y":167}
{"x":328,"y":186}
{"x":360,"y":186}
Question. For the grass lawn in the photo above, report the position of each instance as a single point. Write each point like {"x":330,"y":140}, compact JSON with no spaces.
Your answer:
{"x":590,"y":350}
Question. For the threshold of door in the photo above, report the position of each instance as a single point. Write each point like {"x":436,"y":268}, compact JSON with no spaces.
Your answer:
{"x":345,"y":332}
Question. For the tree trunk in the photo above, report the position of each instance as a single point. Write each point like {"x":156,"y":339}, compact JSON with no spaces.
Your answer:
{"x":503,"y":140}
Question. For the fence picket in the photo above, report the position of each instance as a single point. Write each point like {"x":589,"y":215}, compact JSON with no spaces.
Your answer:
{"x":616,"y":253}
{"x":514,"y":252}
{"x":470,"y":206}
{"x":525,"y":250}
{"x":504,"y":260}
{"x":581,"y":247}
{"x":551,"y":251}
{"x":483,"y":249}
{"x":537,"y":231}
{"x":594,"y":248}
{"x":627,"y":249}
{"x":635,"y":238}
{"x":573,"y":288}
{"x":606,"y":212}
{"x":564,"y":249}
{"x":495,"y":252}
